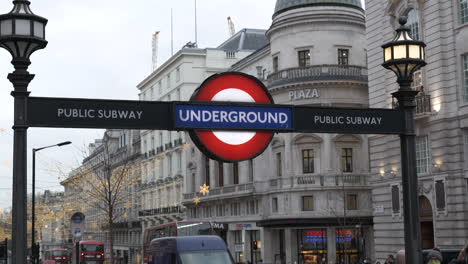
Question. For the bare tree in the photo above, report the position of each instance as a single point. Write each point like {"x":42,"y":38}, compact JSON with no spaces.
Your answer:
{"x":106,"y":180}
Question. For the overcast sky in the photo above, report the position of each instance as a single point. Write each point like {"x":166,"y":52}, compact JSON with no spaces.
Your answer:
{"x":102,"y":49}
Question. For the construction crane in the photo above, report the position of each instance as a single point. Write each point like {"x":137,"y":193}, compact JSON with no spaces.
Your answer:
{"x":155,"y":49}
{"x":231,"y":26}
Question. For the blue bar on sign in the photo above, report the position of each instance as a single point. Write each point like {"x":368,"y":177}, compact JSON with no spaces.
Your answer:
{"x":232,"y":117}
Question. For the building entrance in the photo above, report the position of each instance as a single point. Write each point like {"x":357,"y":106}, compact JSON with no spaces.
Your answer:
{"x":427,"y":223}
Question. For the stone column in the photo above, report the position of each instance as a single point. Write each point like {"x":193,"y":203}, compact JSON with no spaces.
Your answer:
{"x":267,"y":238}
{"x":331,"y":245}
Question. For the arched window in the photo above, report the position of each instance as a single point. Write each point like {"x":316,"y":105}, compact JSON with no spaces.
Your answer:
{"x":413,"y":24}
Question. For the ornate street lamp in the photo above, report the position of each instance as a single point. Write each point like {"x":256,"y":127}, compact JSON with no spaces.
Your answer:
{"x":21,"y":33}
{"x":404,"y":56}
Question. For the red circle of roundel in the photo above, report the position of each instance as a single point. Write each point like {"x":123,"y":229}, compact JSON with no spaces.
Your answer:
{"x":211,"y":145}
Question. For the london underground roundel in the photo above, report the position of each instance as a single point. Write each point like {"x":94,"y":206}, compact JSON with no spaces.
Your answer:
{"x":232,"y":146}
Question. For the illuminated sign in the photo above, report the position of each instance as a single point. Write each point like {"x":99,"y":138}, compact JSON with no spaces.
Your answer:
{"x":232,"y":146}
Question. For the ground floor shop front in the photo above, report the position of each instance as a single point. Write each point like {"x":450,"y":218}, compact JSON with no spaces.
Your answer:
{"x":300,"y":243}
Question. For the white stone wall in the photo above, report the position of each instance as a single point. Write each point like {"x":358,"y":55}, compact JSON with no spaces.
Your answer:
{"x":442,"y":79}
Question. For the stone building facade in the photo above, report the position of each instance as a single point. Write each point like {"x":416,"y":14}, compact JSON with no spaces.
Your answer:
{"x":441,"y":123}
{"x":307,"y":198}
{"x":167,"y":162}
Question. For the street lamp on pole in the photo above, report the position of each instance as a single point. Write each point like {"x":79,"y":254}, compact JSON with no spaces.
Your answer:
{"x":404,"y":56}
{"x":34,"y":251}
{"x":21,"y":33}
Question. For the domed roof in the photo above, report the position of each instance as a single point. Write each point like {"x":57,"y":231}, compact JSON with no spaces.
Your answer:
{"x":283,"y":5}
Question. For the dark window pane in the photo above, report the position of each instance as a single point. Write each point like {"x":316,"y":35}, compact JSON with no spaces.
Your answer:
{"x":395,"y":199}
{"x":351,"y":202}
{"x":275,"y":64}
{"x":304,"y":58}
{"x":279,"y":168}
{"x":343,"y":56}
{"x":220,"y":174}
{"x":347,"y":160}
{"x":307,"y":203}
{"x":207,"y":171}
{"x":235,"y":172}
{"x":308,"y":161}
{"x":440,"y":195}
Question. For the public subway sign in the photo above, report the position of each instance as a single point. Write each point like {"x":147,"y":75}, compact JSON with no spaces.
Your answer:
{"x":345,"y":120}
{"x":96,"y":113}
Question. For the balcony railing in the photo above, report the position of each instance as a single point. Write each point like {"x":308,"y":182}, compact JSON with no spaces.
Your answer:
{"x":239,"y":188}
{"x":300,"y":181}
{"x":317,"y":73}
{"x":423,"y":104}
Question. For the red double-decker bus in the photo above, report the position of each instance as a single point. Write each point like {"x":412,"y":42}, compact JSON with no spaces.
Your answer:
{"x":58,"y":255}
{"x":174,"y":229}
{"x":91,"y":252}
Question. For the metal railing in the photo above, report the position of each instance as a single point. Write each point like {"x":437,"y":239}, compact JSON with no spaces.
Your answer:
{"x":299,"y":181}
{"x":423,"y":104}
{"x":318,"y":72}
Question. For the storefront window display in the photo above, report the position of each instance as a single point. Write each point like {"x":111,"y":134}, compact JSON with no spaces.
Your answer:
{"x":313,"y":246}
{"x":349,"y":243}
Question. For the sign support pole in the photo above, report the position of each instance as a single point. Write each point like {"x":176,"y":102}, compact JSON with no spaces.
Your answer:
{"x":409,"y":175}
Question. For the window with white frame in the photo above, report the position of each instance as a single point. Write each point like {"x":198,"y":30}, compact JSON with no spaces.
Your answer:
{"x":465,"y":75}
{"x":414,"y":25}
{"x":395,"y":199}
{"x":423,"y":158}
{"x":463,"y":11}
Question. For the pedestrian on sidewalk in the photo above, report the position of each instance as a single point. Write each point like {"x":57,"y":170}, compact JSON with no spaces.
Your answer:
{"x":462,"y":256}
{"x":400,"y":257}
